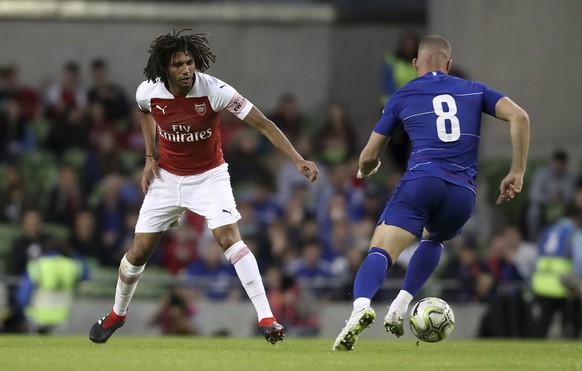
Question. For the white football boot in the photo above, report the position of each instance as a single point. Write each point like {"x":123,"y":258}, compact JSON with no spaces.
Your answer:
{"x":358,"y":322}
{"x":394,"y":322}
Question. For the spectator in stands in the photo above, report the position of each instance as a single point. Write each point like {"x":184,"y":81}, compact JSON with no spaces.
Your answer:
{"x":577,"y":198}
{"x":68,"y":131}
{"x":274,"y":248}
{"x":337,"y":140}
{"x":292,"y":303}
{"x":15,"y":198}
{"x":288,"y":181}
{"x":331,"y":229}
{"x":298,"y":211}
{"x":336,"y":199}
{"x":103,"y":161}
{"x":397,"y":70}
{"x":560,"y":260}
{"x":486,"y":218}
{"x":14,"y":131}
{"x":109,"y":215}
{"x":341,"y":240}
{"x":248,"y":224}
{"x":345,"y":274}
{"x":132,"y":139}
{"x":508,"y":314}
{"x":131,"y":192}
{"x":98,"y":123}
{"x":29,"y":246}
{"x":266,"y":207}
{"x":66,"y":94}
{"x":176,"y":314}
{"x":361,"y":232}
{"x":24,"y":250}
{"x":125,"y":238}
{"x":469,"y":274}
{"x":289,"y":118}
{"x":46,"y":291}
{"x":66,"y":198}
{"x":84,"y":238}
{"x":551,"y":188}
{"x":525,"y":252}
{"x":27,"y":97}
{"x":311,"y":269}
{"x":310,"y":229}
{"x":180,"y":246}
{"x":109,"y":95}
{"x":214,"y":274}
{"x":373,"y":201}
{"x":245,"y":161}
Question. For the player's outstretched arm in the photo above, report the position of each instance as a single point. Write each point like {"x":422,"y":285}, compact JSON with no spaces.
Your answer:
{"x":150,"y":171}
{"x":507,"y":110}
{"x":369,"y":162}
{"x":257,"y":120}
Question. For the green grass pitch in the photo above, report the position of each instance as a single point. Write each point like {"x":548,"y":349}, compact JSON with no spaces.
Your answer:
{"x":173,"y":354}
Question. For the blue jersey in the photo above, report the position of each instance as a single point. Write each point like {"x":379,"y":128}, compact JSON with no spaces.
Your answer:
{"x":442,"y":116}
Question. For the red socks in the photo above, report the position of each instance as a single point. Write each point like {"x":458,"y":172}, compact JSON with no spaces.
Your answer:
{"x":112,"y":319}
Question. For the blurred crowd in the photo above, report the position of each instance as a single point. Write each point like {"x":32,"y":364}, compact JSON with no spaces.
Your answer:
{"x":71,"y":160}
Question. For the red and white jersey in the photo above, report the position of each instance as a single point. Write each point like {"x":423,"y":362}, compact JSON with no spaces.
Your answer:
{"x":189,"y":127}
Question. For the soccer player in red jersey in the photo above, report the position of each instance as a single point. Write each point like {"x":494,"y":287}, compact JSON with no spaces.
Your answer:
{"x":181,"y":104}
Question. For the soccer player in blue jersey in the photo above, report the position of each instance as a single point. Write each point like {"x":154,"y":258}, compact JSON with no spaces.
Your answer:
{"x":436,"y":195}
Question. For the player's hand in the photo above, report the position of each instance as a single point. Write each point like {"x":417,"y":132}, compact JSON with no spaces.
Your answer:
{"x":308,"y":169}
{"x":361,"y":176}
{"x":510,"y":186}
{"x":150,"y":171}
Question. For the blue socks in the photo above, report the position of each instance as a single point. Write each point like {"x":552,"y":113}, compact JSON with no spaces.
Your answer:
{"x":372,"y":273}
{"x":422,"y":265}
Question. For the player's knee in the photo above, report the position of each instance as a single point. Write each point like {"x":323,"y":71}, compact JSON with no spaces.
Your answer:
{"x":226,"y":241}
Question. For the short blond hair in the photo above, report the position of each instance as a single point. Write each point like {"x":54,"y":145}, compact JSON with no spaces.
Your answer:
{"x":435,"y":44}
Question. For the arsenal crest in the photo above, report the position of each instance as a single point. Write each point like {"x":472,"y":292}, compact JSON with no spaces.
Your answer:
{"x":200,"y":108}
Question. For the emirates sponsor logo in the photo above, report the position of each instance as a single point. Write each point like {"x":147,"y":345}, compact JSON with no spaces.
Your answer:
{"x":200,"y":108}
{"x":182,"y":134}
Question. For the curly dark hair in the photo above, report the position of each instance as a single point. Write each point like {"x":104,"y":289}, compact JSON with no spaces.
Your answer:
{"x":164,"y":47}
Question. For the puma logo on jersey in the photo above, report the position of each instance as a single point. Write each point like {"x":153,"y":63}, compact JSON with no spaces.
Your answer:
{"x":162,"y":109}
{"x":226,"y":211}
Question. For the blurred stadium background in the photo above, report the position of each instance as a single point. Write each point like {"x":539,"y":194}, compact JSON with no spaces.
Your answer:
{"x":77,"y":159}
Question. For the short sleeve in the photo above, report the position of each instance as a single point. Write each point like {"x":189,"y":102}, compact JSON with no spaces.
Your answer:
{"x":221,"y":95}
{"x":389,"y":118}
{"x":225,"y":96}
{"x":490,"y":99}
{"x":143,"y":101}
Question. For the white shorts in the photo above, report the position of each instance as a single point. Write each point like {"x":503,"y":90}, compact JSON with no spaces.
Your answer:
{"x":208,"y":194}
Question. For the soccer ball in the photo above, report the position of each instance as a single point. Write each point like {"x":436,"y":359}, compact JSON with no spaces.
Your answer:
{"x":432,"y":320}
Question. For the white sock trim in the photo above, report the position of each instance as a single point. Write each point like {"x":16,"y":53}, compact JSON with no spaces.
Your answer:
{"x":401,"y":302}
{"x":124,"y":291}
{"x":233,"y":250}
{"x":129,"y":270}
{"x":404,"y":295}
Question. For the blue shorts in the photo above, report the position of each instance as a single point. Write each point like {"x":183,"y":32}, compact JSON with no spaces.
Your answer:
{"x":442,"y":207}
